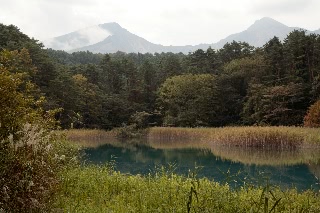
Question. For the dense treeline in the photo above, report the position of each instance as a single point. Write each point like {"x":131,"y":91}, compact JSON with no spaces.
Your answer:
{"x":236,"y":85}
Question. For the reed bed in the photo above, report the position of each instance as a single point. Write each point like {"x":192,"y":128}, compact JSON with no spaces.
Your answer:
{"x":89,"y":137}
{"x":262,"y":137}
{"x":100,"y":189}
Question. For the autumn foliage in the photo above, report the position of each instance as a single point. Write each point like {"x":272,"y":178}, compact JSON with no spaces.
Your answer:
{"x":312,"y":119}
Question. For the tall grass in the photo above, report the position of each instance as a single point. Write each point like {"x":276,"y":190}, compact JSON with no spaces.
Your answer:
{"x":100,"y":189}
{"x":262,"y":137}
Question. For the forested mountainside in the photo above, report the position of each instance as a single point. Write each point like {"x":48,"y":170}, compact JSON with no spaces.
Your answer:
{"x":235,"y":85}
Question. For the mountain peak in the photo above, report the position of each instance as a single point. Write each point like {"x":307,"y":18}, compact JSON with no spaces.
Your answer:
{"x":266,"y":19}
{"x":114,"y":24}
{"x":259,"y":33}
{"x":113,"y":27}
{"x":266,"y":23}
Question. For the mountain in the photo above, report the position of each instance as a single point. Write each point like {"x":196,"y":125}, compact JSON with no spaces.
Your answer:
{"x":83,"y":37}
{"x":123,"y":40}
{"x":108,"y":38}
{"x":111,"y":37}
{"x":259,"y":33}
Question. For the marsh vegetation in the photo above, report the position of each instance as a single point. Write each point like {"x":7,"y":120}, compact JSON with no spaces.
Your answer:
{"x":285,"y":138}
{"x":184,"y":147}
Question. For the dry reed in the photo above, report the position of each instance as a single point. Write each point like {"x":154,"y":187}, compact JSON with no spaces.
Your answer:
{"x":261,"y":137}
{"x":88,"y":134}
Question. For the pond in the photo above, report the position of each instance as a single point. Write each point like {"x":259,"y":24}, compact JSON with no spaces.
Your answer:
{"x":237,"y":166}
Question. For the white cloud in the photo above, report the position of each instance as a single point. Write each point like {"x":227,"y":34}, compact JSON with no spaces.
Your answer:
{"x":84,"y":37}
{"x":94,"y":34}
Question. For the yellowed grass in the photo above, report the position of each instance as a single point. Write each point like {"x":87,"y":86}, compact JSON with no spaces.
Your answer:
{"x":268,"y":137}
{"x":88,"y":137}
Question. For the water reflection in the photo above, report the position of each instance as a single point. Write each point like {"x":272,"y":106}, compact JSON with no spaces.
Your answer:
{"x":297,"y":168}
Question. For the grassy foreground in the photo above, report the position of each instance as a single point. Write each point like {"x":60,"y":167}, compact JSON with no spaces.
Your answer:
{"x":100,"y":189}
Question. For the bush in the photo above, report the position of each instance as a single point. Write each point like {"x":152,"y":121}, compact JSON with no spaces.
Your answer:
{"x":312,"y":119}
{"x":128,"y":131}
{"x":140,"y":119}
{"x":29,"y":167}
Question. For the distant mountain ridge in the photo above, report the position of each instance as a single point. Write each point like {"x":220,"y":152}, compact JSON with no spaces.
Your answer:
{"x":111,"y":37}
{"x":259,"y":33}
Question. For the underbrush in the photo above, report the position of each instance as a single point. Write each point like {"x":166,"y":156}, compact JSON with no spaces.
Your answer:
{"x":101,"y":189}
{"x":29,"y":167}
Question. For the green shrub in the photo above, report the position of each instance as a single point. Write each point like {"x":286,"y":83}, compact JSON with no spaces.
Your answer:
{"x":140,"y":119}
{"x":29,"y":167}
{"x":128,"y":131}
{"x":20,"y":101}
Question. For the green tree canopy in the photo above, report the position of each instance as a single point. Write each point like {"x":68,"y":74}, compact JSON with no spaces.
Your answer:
{"x":18,"y":104}
{"x":188,"y":100}
{"x":274,"y":105}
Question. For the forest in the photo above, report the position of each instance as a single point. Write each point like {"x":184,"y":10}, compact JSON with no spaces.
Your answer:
{"x":233,"y":86}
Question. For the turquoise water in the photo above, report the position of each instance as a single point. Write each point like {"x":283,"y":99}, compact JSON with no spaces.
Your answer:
{"x":137,"y":158}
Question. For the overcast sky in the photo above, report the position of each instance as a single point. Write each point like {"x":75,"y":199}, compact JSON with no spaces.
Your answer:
{"x":167,"y":22}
